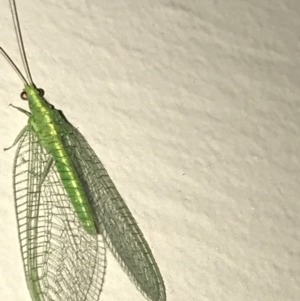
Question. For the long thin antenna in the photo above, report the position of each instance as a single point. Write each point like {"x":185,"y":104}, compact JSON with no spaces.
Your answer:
{"x":15,"y":17}
{"x":10,"y":61}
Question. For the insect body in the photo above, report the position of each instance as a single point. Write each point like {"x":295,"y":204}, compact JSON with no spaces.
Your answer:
{"x":68,"y":209}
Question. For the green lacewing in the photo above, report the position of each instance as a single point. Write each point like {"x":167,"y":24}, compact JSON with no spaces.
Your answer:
{"x":68,"y":209}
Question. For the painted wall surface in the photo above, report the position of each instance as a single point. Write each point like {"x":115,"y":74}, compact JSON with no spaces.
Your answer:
{"x":194,"y":109}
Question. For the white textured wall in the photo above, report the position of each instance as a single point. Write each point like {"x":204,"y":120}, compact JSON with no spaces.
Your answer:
{"x":194,"y":108}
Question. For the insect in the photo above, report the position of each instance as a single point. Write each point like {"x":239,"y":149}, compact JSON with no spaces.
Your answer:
{"x":68,"y":209}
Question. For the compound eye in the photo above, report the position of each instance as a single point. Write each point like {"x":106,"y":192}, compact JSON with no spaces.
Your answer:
{"x":41,"y":92}
{"x":23,"y":95}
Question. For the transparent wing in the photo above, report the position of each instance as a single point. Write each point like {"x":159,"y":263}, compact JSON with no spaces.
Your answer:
{"x":61,"y":261}
{"x":113,"y":217}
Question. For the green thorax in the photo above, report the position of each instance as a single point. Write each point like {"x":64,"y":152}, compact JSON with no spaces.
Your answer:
{"x":44,"y":119}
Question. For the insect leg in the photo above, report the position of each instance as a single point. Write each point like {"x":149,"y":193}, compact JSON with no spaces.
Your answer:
{"x":46,"y":170}
{"x":25,"y":129}
{"x":21,"y":110}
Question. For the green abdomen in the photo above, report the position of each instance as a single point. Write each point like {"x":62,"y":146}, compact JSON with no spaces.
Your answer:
{"x":50,"y":133}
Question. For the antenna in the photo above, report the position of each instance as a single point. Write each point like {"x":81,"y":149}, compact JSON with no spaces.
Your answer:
{"x":15,"y":17}
{"x":10,"y":61}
